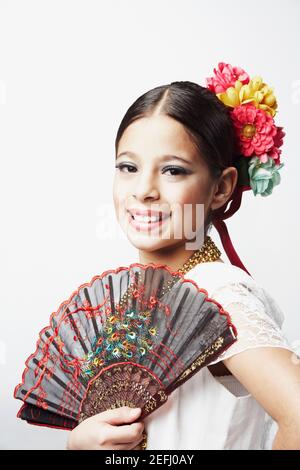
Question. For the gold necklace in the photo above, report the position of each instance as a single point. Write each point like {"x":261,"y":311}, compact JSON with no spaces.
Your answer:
{"x":209,"y":252}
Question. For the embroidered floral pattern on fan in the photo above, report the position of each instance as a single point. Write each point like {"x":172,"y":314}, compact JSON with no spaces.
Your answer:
{"x":122,"y":339}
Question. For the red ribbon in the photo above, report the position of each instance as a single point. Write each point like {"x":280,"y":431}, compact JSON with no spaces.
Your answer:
{"x":218,"y":221}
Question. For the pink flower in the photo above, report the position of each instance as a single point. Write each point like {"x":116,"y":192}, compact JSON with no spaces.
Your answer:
{"x":226,"y":77}
{"x":255,"y":130}
{"x":275,"y":151}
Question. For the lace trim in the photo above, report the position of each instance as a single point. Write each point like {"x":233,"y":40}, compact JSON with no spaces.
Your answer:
{"x":258,"y":322}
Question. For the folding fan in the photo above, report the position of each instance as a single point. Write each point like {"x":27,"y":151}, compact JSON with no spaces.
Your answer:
{"x":129,"y":337}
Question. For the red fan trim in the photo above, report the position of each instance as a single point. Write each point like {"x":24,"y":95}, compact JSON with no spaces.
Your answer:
{"x":35,"y":423}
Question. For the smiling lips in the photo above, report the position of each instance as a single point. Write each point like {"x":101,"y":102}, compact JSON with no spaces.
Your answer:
{"x":146,"y":219}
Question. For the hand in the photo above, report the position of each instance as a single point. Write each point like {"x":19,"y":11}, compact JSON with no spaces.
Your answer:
{"x":108,"y":430}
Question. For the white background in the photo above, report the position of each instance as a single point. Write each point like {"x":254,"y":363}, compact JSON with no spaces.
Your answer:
{"x":68,"y":72}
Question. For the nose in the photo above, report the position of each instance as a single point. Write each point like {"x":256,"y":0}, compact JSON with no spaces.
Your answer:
{"x":146,"y":187}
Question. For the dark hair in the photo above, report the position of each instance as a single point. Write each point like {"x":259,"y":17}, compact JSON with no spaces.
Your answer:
{"x":205,"y":118}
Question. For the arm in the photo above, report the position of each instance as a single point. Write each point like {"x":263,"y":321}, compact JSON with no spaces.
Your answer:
{"x":272,"y":377}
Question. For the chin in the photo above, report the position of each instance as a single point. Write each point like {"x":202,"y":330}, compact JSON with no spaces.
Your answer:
{"x":148,"y":245}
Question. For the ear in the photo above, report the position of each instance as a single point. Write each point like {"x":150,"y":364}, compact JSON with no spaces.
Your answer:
{"x":225,"y":187}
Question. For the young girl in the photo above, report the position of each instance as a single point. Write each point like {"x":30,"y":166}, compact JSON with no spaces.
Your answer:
{"x":176,"y":147}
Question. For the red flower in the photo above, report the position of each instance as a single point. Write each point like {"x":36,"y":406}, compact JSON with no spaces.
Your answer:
{"x":275,"y":151}
{"x":255,"y":130}
{"x":225,"y":77}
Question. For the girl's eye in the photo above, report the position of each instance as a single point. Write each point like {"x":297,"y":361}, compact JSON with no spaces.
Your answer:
{"x":178,"y":169}
{"x":123,"y":165}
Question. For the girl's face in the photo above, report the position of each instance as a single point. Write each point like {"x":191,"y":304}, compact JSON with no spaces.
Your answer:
{"x":158,"y":168}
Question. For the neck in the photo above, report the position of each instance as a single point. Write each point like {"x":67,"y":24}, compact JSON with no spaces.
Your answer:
{"x":170,"y":256}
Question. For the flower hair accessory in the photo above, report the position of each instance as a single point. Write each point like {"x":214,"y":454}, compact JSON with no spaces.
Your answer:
{"x":258,"y":140}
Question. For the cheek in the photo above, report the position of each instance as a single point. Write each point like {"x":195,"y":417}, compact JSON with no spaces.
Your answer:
{"x":193,"y":193}
{"x":120,"y":200}
{"x":116,"y":201}
{"x":118,"y":190}
{"x":191,"y":206}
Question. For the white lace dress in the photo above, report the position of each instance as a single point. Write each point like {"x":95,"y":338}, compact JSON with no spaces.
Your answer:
{"x":209,"y":412}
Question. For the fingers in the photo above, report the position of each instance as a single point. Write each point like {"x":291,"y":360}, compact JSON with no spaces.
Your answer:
{"x":112,"y":429}
{"x":121,"y":415}
{"x":126,"y":433}
{"x":130,"y":445}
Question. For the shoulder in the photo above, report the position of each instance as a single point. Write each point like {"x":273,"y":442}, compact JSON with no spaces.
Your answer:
{"x":213,"y":275}
{"x":229,"y":284}
{"x":255,"y":313}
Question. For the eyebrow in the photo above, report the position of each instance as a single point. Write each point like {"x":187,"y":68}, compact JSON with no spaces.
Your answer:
{"x":163,"y":158}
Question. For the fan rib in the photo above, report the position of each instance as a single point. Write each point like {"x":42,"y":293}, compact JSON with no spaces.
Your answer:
{"x":159,"y":364}
{"x":50,"y":403}
{"x":77,"y":331}
{"x":53,"y":340}
{"x":111,"y":294}
{"x":175,"y":360}
{"x":134,"y":299}
{"x":86,"y":293}
{"x":174,"y":318}
{"x":60,"y":382}
{"x":82,"y":381}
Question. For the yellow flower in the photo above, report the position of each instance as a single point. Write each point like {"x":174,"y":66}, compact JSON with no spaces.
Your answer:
{"x":256,"y":92}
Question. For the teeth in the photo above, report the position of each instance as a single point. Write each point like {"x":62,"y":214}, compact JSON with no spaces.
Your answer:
{"x":145,"y":218}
